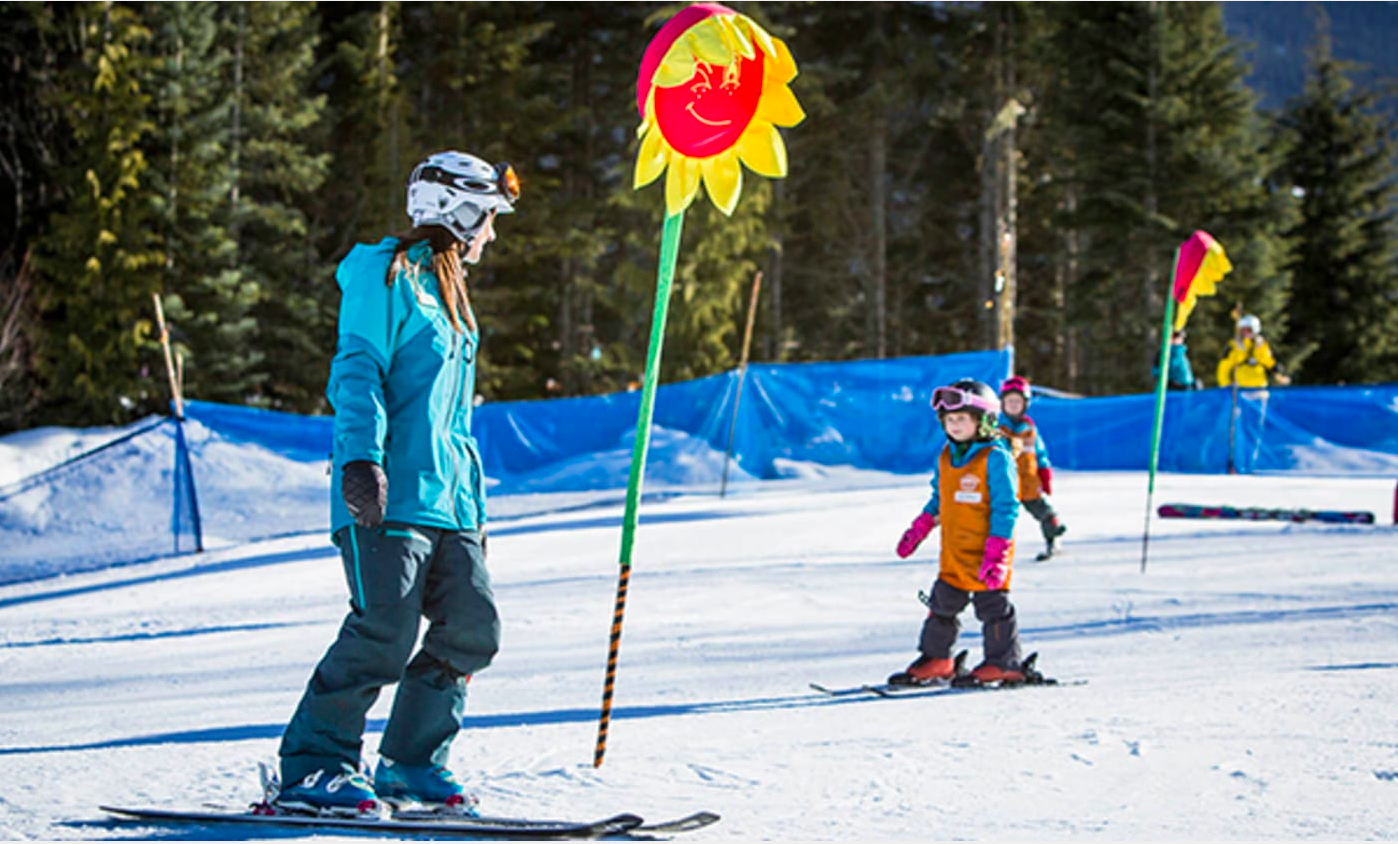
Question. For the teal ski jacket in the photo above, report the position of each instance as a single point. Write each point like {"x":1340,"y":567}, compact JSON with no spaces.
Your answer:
{"x":402,"y":383}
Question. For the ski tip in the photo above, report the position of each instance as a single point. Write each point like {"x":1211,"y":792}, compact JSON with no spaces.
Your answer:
{"x":698,"y":820}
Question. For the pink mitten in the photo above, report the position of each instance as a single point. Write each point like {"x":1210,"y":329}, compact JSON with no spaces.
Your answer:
{"x":913,"y":536}
{"x":1046,"y":479}
{"x":995,"y":564}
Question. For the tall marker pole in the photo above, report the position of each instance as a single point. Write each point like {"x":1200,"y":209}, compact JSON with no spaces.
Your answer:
{"x":742,"y":376}
{"x":1166,"y":330}
{"x":669,"y":250}
{"x":175,"y":397}
{"x":695,"y":149}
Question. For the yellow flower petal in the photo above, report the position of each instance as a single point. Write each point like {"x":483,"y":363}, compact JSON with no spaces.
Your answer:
{"x":782,"y":66}
{"x":681,"y":183}
{"x":778,"y":105}
{"x":651,"y":159}
{"x":761,"y":148}
{"x":735,"y":34}
{"x":723,"y":179}
{"x":676,"y":68}
{"x":758,"y":35}
{"x":706,"y":42}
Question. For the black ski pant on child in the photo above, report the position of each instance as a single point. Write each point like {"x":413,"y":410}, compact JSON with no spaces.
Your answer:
{"x":397,"y":574}
{"x":1040,"y":509}
{"x":999,"y":627}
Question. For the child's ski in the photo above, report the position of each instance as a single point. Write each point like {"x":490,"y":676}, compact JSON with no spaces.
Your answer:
{"x":1275,"y":514}
{"x":963,"y":682}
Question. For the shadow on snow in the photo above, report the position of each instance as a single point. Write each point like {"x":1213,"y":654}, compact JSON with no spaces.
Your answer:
{"x":247,"y":732}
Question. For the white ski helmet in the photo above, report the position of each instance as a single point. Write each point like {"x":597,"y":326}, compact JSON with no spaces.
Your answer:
{"x":456,"y":190}
{"x":1251,"y":323}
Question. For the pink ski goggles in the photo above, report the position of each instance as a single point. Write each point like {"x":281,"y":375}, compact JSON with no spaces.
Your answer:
{"x":955,"y":398}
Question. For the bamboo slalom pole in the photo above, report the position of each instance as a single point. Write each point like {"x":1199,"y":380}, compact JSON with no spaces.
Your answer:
{"x":175,"y":395}
{"x":742,"y":376}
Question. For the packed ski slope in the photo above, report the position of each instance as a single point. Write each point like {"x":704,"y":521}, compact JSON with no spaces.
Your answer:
{"x":1244,"y":686}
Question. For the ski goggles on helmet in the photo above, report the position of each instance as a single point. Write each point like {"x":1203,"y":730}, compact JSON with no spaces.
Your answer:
{"x":505,"y":184}
{"x":507,"y":181}
{"x":954,"y":398}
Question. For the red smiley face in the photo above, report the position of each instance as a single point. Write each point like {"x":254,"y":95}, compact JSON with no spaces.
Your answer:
{"x":706,"y":115}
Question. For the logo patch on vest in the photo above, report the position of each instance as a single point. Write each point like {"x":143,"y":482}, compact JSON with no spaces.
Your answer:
{"x":970,"y":490}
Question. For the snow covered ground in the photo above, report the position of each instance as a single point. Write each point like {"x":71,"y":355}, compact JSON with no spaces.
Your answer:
{"x":1244,"y":687}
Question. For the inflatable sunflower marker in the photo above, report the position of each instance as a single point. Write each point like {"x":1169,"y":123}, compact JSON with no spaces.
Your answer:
{"x":712,"y":90}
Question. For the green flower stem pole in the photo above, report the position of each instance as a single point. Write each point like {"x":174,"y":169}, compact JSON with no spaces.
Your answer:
{"x":669,"y":250}
{"x":1165,"y":333}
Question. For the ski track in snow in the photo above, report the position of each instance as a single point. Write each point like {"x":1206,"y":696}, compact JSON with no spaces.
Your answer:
{"x":1245,"y":686}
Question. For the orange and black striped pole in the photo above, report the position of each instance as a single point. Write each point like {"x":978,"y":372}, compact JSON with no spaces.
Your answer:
{"x":609,"y":685}
{"x":669,"y":251}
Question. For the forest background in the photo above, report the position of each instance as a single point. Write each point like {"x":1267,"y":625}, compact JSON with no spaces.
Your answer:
{"x":968,"y":176}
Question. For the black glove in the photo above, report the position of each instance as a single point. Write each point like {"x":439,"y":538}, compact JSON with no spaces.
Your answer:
{"x":484,"y":553}
{"x":365,"y":490}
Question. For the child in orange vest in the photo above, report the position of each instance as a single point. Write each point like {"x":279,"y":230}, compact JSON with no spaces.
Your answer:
{"x":973,"y":499}
{"x":1035,"y":472}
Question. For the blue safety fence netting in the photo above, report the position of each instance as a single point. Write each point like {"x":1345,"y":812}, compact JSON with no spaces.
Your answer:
{"x":127,"y":500}
{"x":258,"y":474}
{"x":1302,"y":430}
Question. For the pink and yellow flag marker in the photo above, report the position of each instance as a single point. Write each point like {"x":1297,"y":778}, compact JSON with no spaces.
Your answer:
{"x":713,"y":88}
{"x":1200,"y":264}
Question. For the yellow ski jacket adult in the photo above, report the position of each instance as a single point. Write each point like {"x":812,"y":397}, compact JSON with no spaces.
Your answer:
{"x":1247,"y":362}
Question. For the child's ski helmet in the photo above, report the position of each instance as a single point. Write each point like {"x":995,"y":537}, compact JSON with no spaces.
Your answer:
{"x":1250,"y":322}
{"x":973,"y":396}
{"x":456,"y":190}
{"x":1017,"y":384}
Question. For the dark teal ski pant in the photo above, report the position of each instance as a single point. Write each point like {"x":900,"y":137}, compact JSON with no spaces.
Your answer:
{"x":397,"y":574}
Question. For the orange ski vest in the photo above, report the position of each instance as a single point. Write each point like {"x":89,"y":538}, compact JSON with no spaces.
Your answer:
{"x":1023,"y":446}
{"x":964,"y":499}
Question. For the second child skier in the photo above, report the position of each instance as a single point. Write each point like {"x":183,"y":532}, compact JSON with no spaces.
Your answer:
{"x":1035,"y":471}
{"x":973,"y":500}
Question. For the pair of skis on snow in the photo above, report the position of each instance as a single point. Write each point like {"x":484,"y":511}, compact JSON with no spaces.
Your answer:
{"x":414,"y":820}
{"x":1274,"y":514}
{"x":961,"y":681}
{"x":424,"y":822}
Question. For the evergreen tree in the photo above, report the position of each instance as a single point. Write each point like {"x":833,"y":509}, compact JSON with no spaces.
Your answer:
{"x":363,"y":127}
{"x":878,"y":218}
{"x":1344,"y":305}
{"x":1152,"y":134}
{"x":100,"y":258}
{"x":207,"y":297}
{"x":275,"y":176}
{"x":31,"y":141}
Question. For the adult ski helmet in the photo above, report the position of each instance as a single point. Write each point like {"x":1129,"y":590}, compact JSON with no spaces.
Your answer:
{"x":1251,"y":323}
{"x":456,"y":190}
{"x":975,"y":397}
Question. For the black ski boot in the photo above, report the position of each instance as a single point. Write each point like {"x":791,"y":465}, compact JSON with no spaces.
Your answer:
{"x":1051,"y":534}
